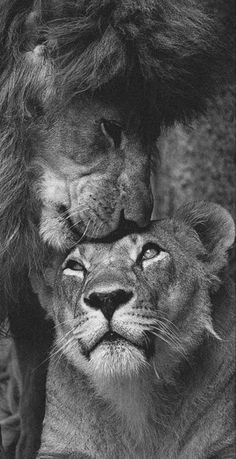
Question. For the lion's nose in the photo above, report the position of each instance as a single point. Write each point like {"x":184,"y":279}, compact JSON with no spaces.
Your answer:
{"x":138,"y":211}
{"x":108,"y":302}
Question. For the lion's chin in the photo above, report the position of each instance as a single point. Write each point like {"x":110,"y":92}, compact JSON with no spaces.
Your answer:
{"x":116,"y":360}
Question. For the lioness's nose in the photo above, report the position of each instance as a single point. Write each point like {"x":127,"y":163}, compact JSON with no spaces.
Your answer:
{"x":108,"y":302}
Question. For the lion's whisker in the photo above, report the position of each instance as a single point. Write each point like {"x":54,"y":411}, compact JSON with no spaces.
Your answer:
{"x":76,"y":223}
{"x":96,"y":230}
{"x":84,"y":233}
{"x":155,"y":371}
{"x":77,"y":210}
{"x":67,"y":213}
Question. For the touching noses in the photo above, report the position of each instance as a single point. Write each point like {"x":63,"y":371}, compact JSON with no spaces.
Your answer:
{"x":108,"y":302}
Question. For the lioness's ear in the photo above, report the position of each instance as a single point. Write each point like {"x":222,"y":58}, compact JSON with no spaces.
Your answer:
{"x":213,"y":224}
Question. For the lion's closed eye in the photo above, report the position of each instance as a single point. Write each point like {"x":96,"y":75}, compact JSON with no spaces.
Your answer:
{"x":112,"y":131}
{"x":73,"y":268}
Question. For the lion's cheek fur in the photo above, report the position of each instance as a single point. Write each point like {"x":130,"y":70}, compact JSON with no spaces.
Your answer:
{"x":53,"y":230}
{"x":88,"y":202}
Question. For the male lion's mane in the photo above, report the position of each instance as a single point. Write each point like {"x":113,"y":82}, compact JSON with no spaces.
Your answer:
{"x":160,"y":56}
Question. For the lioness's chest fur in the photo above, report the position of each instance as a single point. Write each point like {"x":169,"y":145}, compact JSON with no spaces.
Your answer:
{"x":188,"y":421}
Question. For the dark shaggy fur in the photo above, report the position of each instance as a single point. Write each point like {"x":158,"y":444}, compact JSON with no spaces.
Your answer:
{"x":165,"y":51}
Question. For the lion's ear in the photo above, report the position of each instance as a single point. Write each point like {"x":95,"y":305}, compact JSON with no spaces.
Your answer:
{"x":213,"y":224}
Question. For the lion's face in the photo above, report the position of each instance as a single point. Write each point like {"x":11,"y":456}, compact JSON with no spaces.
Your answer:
{"x":140,"y":302}
{"x":93,"y":173}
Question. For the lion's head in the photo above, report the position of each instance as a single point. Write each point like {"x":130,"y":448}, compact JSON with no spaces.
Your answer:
{"x":93,"y":173}
{"x":143,"y":301}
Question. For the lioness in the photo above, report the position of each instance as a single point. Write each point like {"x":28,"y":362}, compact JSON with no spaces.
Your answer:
{"x":144,"y":352}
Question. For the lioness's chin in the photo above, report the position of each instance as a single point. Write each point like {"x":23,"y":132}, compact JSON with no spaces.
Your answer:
{"x":117,"y":360}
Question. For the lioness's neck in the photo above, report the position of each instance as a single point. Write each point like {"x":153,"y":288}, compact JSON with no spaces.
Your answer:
{"x":132,"y":398}
{"x":125,"y":409}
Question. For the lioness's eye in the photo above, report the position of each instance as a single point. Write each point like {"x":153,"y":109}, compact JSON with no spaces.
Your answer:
{"x":112,"y":130}
{"x":150,"y":251}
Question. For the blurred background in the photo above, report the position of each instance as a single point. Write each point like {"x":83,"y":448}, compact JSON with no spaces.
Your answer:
{"x":199,"y":161}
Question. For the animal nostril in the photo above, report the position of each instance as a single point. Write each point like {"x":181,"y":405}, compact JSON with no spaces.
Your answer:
{"x":108,"y":302}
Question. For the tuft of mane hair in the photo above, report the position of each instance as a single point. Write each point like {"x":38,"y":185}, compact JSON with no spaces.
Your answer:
{"x":166,"y":52}
{"x":161,"y":56}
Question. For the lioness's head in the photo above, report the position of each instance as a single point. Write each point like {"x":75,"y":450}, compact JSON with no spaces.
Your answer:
{"x":142,"y":301}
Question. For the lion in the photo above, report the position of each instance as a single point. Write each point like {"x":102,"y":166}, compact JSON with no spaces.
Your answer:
{"x":85,"y":88}
{"x":144,"y":354}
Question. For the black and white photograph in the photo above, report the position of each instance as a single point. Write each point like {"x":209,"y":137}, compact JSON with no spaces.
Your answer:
{"x":117,"y":229}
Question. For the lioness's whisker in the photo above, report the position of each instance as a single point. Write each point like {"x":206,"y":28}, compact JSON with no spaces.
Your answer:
{"x":62,"y":338}
{"x":163,"y":318}
{"x":170,"y":341}
{"x":173,"y":338}
{"x":48,"y":357}
{"x":169,"y":326}
{"x":162,"y":338}
{"x":172,"y":344}
{"x":166,"y":330}
{"x":61,"y":348}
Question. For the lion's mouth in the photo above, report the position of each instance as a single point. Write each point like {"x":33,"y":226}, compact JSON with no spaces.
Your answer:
{"x":123,"y":228}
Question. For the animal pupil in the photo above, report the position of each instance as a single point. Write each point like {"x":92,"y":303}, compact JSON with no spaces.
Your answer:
{"x":149,"y":251}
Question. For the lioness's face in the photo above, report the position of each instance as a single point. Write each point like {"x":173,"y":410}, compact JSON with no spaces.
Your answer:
{"x":130,"y":304}
{"x":93,"y":173}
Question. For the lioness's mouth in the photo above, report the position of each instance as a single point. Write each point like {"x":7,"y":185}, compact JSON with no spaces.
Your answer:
{"x":111,"y":337}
